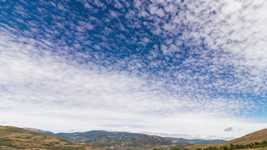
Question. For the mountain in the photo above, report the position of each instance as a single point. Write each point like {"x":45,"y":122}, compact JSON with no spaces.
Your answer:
{"x":13,"y":138}
{"x":125,"y":139}
{"x":99,"y":136}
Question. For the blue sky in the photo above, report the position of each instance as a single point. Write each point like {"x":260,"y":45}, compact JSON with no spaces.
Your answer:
{"x":139,"y":60}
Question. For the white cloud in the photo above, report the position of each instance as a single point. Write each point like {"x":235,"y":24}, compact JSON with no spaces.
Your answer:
{"x":234,"y":31}
{"x":48,"y":92}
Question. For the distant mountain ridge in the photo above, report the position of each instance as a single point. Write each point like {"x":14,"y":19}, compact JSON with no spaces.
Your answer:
{"x":105,"y":137}
{"x":100,"y":136}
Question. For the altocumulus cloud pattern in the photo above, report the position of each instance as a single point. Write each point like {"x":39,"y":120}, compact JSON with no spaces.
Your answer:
{"x":183,"y":67}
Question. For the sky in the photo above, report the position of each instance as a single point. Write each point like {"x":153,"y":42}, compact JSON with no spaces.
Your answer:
{"x":182,"y":68}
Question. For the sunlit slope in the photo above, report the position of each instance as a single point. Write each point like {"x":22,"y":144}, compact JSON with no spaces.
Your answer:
{"x":12,"y":138}
{"x":258,"y":136}
{"x":253,"y":141}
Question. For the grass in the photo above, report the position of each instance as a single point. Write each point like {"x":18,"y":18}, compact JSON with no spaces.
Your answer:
{"x":249,"y":146}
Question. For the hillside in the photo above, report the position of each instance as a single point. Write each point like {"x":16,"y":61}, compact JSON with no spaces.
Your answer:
{"x":12,"y":138}
{"x":253,"y":141}
{"x":258,"y":136}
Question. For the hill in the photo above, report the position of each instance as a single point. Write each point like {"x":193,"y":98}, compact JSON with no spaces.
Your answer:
{"x":253,"y":141}
{"x":12,"y":138}
{"x":258,"y":136}
{"x":123,"y":140}
{"x":119,"y":140}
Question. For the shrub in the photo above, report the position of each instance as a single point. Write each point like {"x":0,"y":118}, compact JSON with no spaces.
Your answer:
{"x":175,"y":148}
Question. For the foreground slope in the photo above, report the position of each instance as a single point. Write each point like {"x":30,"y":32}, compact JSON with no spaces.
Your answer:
{"x":253,"y":141}
{"x":12,"y":138}
{"x":258,"y":136}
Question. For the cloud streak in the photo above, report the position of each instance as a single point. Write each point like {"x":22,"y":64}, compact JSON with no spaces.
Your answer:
{"x":175,"y":67}
{"x":41,"y":90}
